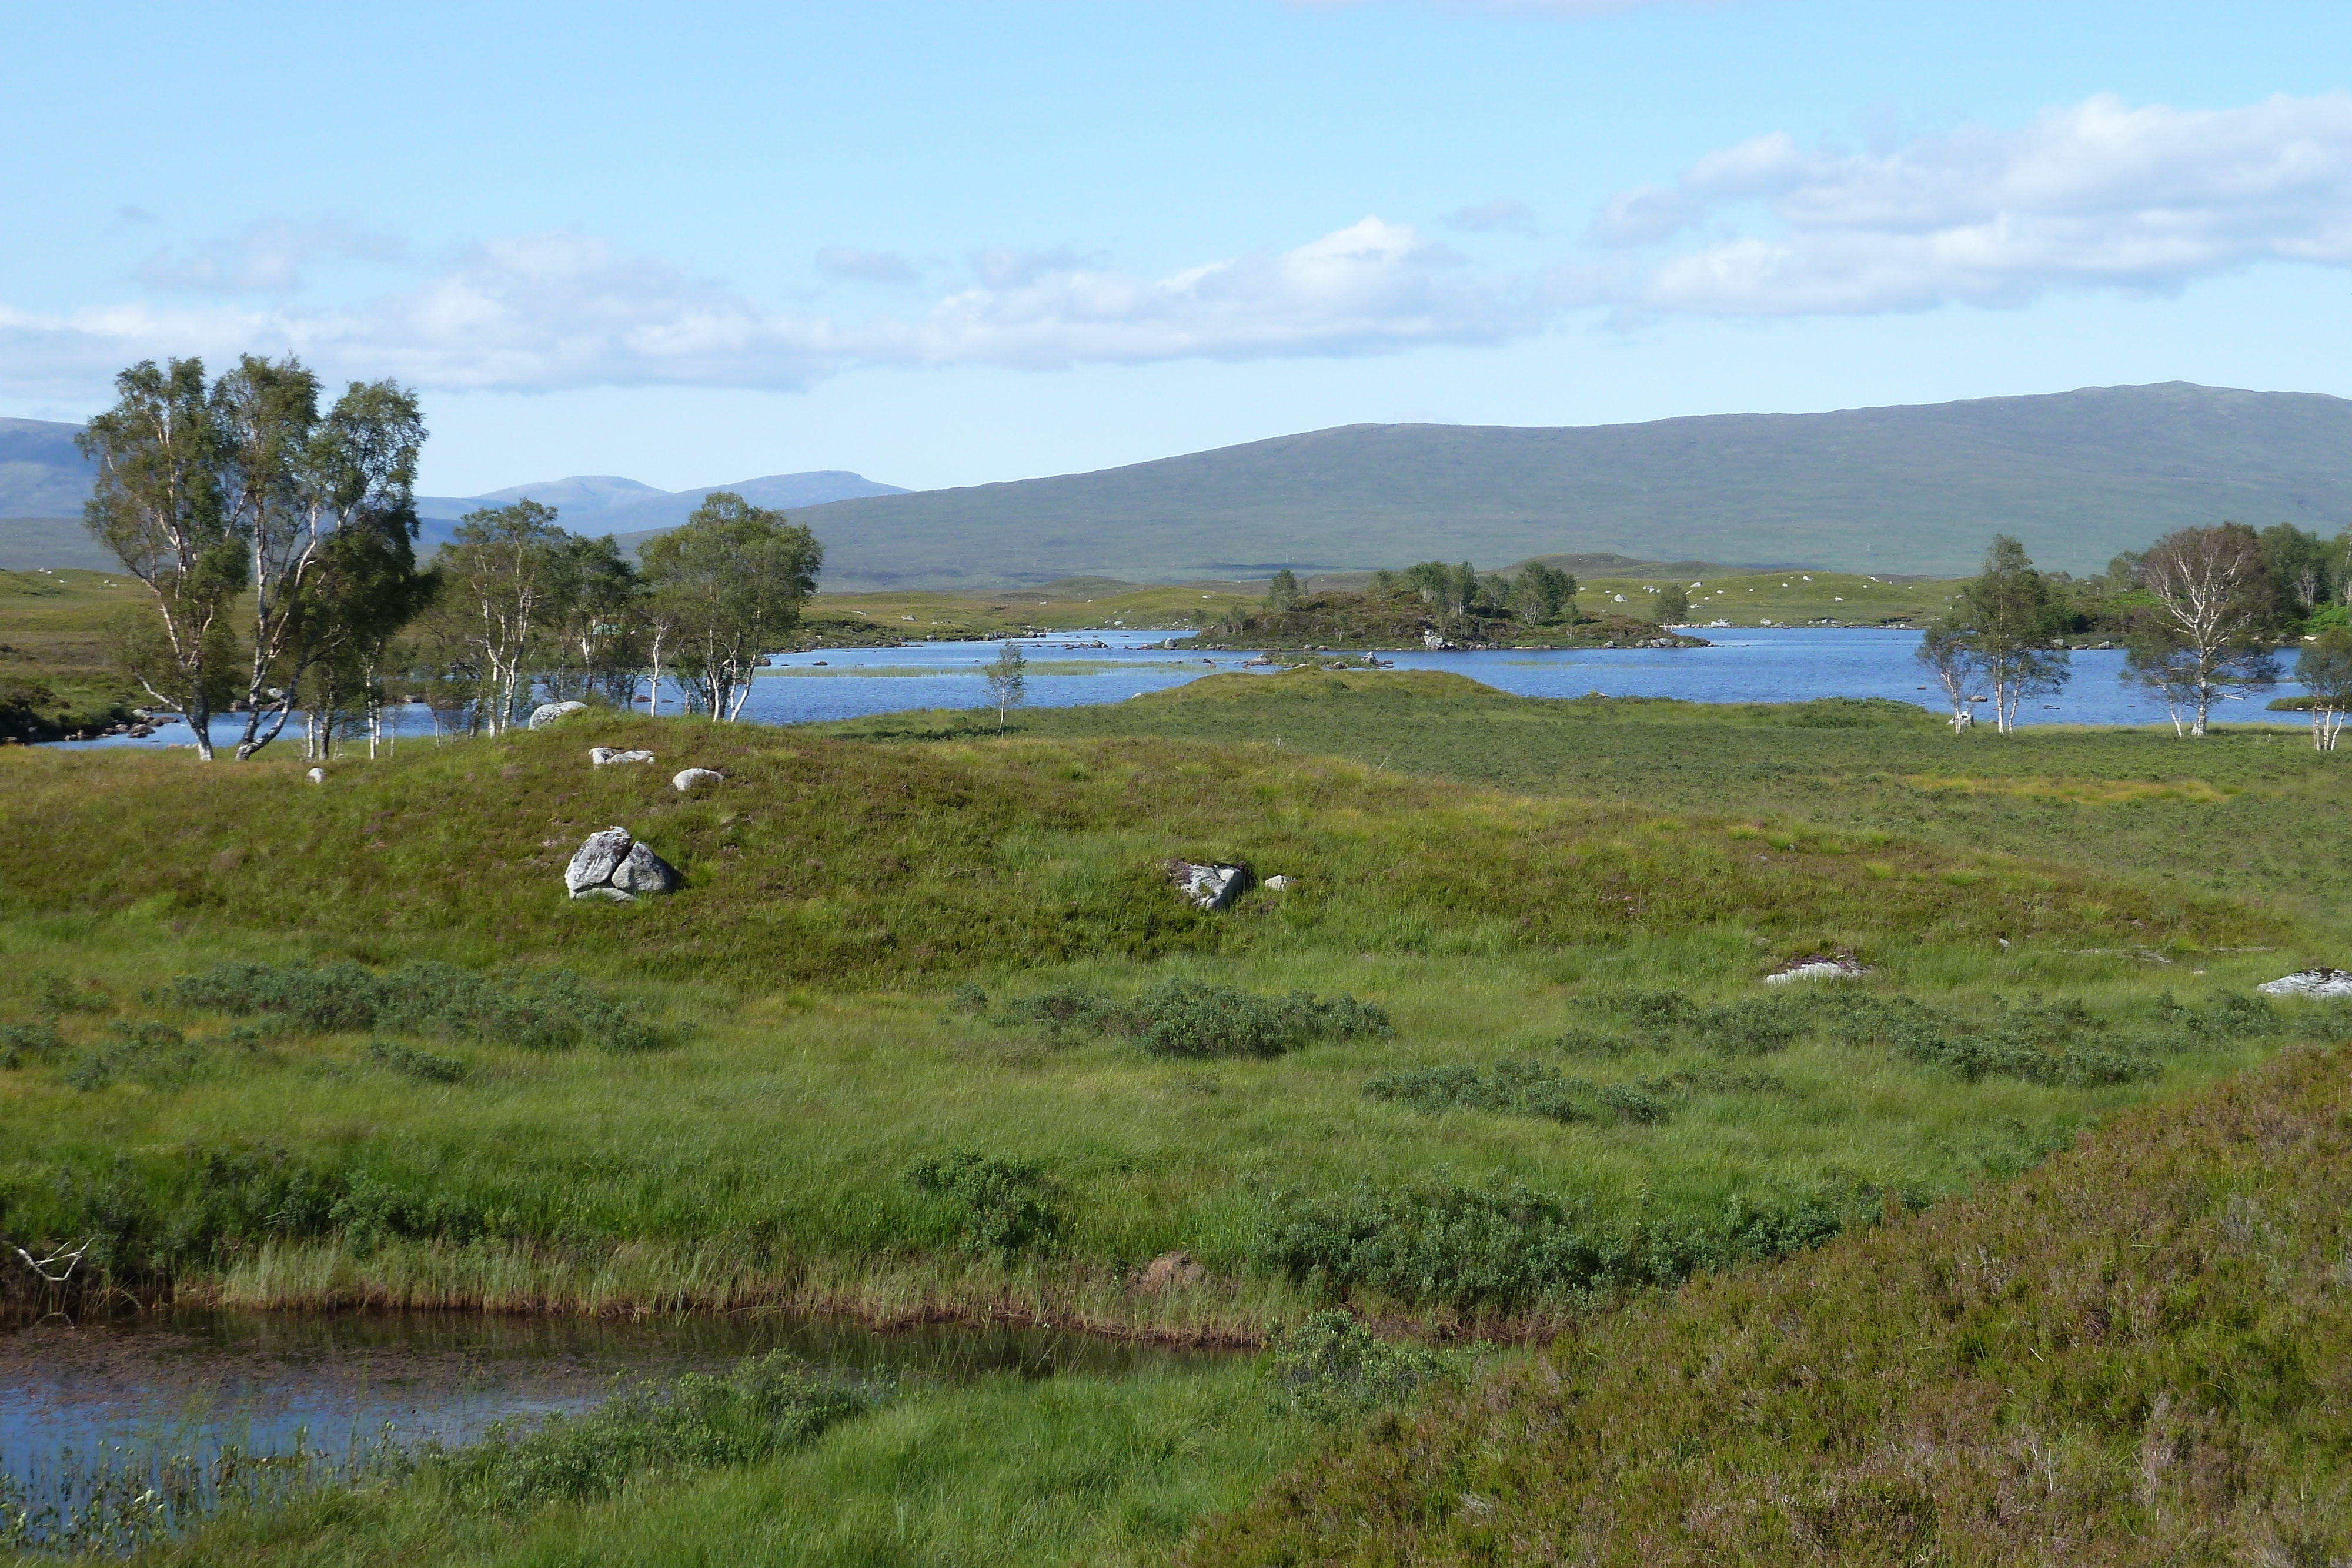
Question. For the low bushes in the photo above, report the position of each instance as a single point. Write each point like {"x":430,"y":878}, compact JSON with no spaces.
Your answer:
{"x":422,"y":1065}
{"x":147,"y":1220}
{"x":766,"y":1406}
{"x":1187,"y":1019}
{"x":1331,"y":1367}
{"x":1516,"y":1088}
{"x":1498,"y":1249}
{"x":1002,"y":1207}
{"x":550,"y":1010}
{"x":2060,"y":1043}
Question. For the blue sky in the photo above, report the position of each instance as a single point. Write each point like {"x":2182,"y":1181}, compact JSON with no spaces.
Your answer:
{"x":950,"y":243}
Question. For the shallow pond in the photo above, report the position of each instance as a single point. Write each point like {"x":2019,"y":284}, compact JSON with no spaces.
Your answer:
{"x":113,"y":1409}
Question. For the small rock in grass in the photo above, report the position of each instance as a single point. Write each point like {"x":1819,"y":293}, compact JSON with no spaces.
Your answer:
{"x":2318,"y":981}
{"x":691,"y":776}
{"x":604,"y":756}
{"x":546,"y":713}
{"x":1210,"y":886}
{"x":1278,"y":883}
{"x":1820,"y":966}
{"x":317,"y":776}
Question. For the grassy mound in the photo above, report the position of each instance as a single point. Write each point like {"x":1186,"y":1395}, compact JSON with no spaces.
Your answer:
{"x":297,"y":1044}
{"x":2140,"y":1353}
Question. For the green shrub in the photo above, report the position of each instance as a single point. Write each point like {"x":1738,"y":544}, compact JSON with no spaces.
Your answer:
{"x":550,"y":1010}
{"x":1593,"y":1042}
{"x":422,"y":1065}
{"x":1187,"y":1019}
{"x":766,"y":1406}
{"x":23,"y":1042}
{"x":151,"y":1054}
{"x":148,"y":1221}
{"x":1504,"y":1248}
{"x":1514,"y":1088}
{"x":1751,"y":1027}
{"x":2062,"y":1043}
{"x":1331,"y":1367}
{"x":1003,"y":1207}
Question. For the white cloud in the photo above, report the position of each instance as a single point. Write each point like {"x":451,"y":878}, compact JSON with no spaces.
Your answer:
{"x":2099,"y":193}
{"x":554,"y":310}
{"x":267,"y":258}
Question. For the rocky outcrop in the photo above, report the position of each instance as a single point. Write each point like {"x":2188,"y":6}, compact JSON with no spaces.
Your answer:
{"x":606,"y":755}
{"x":546,"y":713}
{"x":686,"y":782}
{"x":2321,"y":981}
{"x":1210,"y":886}
{"x":612,"y":865}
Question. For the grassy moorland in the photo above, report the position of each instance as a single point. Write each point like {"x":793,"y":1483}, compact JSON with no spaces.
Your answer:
{"x":925,"y":1034}
{"x":2246,"y":812}
{"x":55,"y":675}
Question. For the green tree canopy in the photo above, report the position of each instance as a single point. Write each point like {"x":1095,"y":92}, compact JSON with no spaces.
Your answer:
{"x":734,"y":576}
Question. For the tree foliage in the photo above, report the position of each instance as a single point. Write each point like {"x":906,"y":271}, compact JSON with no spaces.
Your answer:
{"x":734,"y":576}
{"x":2325,"y":671}
{"x":2010,"y":622}
{"x":2212,"y":624}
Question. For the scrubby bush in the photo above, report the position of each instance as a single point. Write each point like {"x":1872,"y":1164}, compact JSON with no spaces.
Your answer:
{"x":549,"y":1010}
{"x":768,"y":1405}
{"x":23,"y":1042}
{"x":2060,"y":1043}
{"x":150,"y":1219}
{"x":1514,"y":1088}
{"x":1003,"y":1207}
{"x":149,"y":1052}
{"x":1752,"y":1027}
{"x":1505,"y":1248}
{"x":1180,"y":1018}
{"x":422,"y":1065}
{"x":1332,"y":1367}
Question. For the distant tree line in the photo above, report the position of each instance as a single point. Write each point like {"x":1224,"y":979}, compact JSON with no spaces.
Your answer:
{"x":2202,"y":614}
{"x":276,"y":536}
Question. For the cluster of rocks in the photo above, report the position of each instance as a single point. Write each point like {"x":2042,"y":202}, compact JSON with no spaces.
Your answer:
{"x":605,"y":756}
{"x":1208,"y":886}
{"x":614,"y":865}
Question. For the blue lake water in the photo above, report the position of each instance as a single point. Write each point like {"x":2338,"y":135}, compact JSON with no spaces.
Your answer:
{"x":1768,"y":665}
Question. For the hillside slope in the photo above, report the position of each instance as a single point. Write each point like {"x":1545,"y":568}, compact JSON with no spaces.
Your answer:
{"x":2140,"y":1353}
{"x":2078,"y":476}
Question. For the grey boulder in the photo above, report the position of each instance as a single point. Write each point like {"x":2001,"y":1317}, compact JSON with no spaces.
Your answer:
{"x":546,"y":713}
{"x":612,"y":865}
{"x":606,"y":755}
{"x":1210,"y":886}
{"x":691,"y":776}
{"x":2316,"y":982}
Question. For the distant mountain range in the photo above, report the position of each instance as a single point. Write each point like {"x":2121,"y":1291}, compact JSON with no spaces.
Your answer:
{"x":2077,"y":476}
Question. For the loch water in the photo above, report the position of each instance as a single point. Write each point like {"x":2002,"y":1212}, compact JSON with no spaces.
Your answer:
{"x":1795,"y":664}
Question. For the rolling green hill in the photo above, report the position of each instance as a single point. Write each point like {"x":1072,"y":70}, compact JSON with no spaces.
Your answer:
{"x":2078,"y":476}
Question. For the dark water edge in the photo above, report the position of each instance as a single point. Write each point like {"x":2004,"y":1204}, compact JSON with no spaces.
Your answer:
{"x":115,"y":1407}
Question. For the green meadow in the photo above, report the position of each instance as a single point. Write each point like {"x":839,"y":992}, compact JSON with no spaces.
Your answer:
{"x":927,"y":1034}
